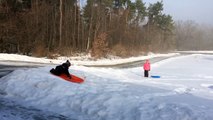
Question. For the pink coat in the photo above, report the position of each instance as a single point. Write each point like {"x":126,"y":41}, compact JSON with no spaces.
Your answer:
{"x":146,"y":65}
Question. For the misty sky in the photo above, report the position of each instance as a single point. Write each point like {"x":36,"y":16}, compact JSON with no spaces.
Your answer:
{"x":199,"y":11}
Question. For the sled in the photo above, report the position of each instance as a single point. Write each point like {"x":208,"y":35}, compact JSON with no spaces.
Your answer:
{"x":74,"y":78}
{"x":155,"y":76}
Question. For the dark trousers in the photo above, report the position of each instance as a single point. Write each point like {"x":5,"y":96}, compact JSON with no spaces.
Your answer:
{"x":146,"y":73}
{"x":53,"y":71}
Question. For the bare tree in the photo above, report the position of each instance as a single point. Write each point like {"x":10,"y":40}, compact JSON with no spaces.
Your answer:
{"x":60,"y":24}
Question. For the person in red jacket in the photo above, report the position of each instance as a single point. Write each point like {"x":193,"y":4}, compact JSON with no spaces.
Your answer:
{"x":146,"y":67}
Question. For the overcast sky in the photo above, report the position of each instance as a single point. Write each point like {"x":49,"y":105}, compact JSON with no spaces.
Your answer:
{"x":199,"y":11}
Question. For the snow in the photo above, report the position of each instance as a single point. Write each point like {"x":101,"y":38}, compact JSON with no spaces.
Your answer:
{"x":196,"y":52}
{"x":184,"y":91}
{"x":13,"y":59}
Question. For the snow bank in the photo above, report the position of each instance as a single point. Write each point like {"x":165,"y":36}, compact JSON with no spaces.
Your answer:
{"x":184,"y":91}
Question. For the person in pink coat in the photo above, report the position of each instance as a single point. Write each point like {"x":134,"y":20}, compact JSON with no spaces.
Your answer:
{"x":146,"y":67}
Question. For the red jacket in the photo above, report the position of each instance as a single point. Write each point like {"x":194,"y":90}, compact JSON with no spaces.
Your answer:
{"x":146,"y":65}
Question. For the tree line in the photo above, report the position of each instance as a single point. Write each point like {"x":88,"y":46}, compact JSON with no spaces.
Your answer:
{"x":101,"y":27}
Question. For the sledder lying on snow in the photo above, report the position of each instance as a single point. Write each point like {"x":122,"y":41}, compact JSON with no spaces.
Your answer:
{"x":62,"y":69}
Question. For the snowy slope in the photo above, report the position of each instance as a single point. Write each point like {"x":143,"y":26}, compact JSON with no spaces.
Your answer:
{"x":184,"y":91}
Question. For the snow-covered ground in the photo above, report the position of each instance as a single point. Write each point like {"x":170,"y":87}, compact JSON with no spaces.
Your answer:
{"x":196,"y":52}
{"x":184,"y":92}
{"x":15,"y":59}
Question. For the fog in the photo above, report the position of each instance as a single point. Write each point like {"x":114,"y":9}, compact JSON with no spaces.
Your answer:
{"x":193,"y":22}
{"x":193,"y":36}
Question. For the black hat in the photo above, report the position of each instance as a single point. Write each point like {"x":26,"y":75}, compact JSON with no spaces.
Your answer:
{"x":68,"y":63}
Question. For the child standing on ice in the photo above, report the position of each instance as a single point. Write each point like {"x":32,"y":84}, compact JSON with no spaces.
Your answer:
{"x":146,"y":67}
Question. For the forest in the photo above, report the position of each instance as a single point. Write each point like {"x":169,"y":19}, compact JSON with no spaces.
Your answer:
{"x":100,"y":27}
